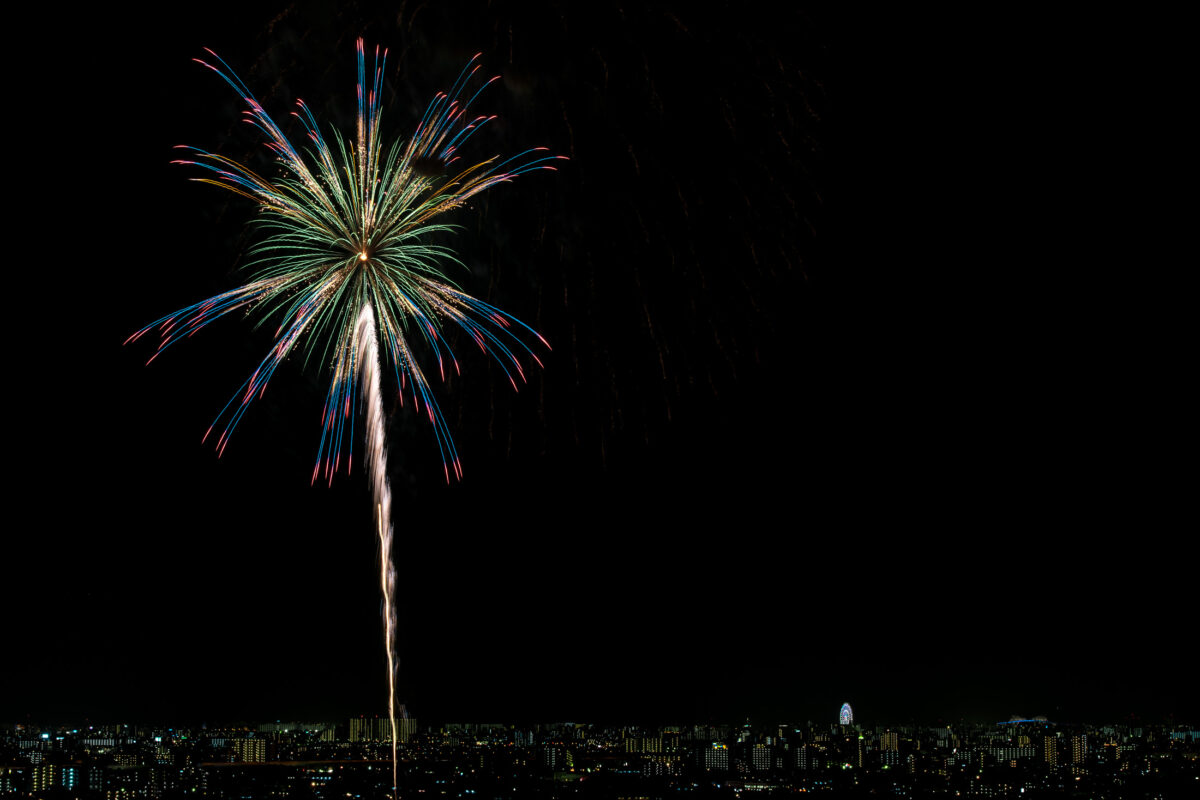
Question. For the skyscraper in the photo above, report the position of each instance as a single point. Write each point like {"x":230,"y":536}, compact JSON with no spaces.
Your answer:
{"x":761,"y":757}
{"x":717,"y":757}
{"x":1050,"y":748}
{"x":1079,"y":753}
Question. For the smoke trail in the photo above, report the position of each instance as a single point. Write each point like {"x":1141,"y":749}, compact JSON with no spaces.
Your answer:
{"x":367,"y":350}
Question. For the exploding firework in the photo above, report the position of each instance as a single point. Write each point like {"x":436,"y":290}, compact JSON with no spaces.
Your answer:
{"x":348,"y":270}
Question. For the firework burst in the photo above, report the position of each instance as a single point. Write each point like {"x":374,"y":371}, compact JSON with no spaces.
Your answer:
{"x":348,"y":270}
{"x":352,"y":230}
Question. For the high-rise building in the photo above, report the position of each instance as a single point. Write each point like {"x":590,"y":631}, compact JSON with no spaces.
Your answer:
{"x":889,"y":746}
{"x":362,"y":729}
{"x":1079,"y":746}
{"x":647,"y":744}
{"x":12,"y":779}
{"x":1079,"y":751}
{"x":54,"y":777}
{"x":717,"y":757}
{"x":379,"y":729}
{"x":250,"y":751}
{"x":552,"y":756}
{"x":760,"y":757}
{"x":44,"y":778}
{"x":406,"y":729}
{"x":1050,"y":750}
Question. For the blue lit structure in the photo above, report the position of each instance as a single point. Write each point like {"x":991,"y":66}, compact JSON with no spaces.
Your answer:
{"x":846,"y":715}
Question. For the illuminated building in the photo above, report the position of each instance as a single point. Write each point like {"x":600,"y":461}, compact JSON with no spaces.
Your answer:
{"x":406,"y":729}
{"x":846,"y":715}
{"x":552,"y":756}
{"x":370,"y":729}
{"x":250,"y":751}
{"x":43,"y":778}
{"x":889,"y":744}
{"x":12,"y":779}
{"x":1079,"y":749}
{"x":717,"y":757}
{"x":379,"y":729}
{"x":760,"y":757}
{"x":634,"y":744}
{"x":361,"y":729}
{"x":1050,"y":747}
{"x":54,"y":777}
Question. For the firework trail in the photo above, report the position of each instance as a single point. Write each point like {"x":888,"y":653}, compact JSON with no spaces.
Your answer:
{"x":347,"y":268}
{"x":368,"y":359}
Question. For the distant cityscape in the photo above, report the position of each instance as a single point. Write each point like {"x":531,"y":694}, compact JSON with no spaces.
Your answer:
{"x":1017,"y":758}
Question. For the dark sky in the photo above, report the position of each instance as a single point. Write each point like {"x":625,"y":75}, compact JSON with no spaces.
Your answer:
{"x":823,"y":419}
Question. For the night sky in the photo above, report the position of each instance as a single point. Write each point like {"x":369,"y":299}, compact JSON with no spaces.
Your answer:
{"x":824,"y":418}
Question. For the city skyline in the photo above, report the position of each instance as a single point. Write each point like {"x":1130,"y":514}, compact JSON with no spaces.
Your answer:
{"x":377,"y":726}
{"x":1022,"y":758}
{"x":821,"y":422}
